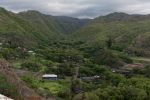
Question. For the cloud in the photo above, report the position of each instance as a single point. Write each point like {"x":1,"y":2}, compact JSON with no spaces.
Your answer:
{"x":79,"y":8}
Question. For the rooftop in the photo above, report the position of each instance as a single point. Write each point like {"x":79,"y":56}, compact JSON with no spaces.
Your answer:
{"x":49,"y":75}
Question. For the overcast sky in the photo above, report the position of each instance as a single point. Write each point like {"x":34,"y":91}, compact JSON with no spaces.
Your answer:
{"x":79,"y":8}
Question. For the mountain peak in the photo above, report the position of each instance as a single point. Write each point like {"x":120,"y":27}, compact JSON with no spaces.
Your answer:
{"x":117,"y":14}
{"x":30,"y":12}
{"x":2,"y":9}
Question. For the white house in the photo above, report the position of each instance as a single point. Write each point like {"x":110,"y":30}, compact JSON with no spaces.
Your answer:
{"x":30,"y":51}
{"x":49,"y":77}
{"x":2,"y":97}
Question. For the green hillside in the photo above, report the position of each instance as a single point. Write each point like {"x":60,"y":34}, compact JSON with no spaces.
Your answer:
{"x":12,"y":26}
{"x":125,"y":31}
{"x":44,"y":25}
{"x":53,"y":24}
{"x":32,"y":27}
{"x":70,"y":25}
{"x":93,"y":59}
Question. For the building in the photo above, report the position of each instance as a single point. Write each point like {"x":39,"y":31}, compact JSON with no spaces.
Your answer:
{"x":30,"y":51}
{"x":2,"y":97}
{"x":50,"y":77}
{"x":121,"y":71}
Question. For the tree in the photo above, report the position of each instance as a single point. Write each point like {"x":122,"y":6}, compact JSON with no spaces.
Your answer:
{"x":109,"y":42}
{"x":86,"y":96}
{"x":132,"y":93}
{"x":76,"y":86}
{"x":7,"y":88}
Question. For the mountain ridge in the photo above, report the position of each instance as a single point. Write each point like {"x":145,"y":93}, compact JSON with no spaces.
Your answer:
{"x":35,"y":26}
{"x":125,"y":30}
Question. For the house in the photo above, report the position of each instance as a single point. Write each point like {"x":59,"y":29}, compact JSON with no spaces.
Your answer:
{"x":30,"y":51}
{"x":121,"y":71}
{"x":50,"y":77}
{"x":2,"y":97}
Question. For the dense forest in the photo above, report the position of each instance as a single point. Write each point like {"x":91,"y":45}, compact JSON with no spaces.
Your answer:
{"x":106,"y":58}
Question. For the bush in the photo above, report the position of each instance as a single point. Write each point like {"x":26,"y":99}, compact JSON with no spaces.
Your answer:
{"x":31,"y":66}
{"x":86,"y":96}
{"x":8,"y":53}
{"x":64,"y":94}
{"x":7,"y":88}
{"x":106,"y":57}
{"x":32,"y":82}
{"x":132,"y":93}
{"x":66,"y":69}
{"x":109,"y":93}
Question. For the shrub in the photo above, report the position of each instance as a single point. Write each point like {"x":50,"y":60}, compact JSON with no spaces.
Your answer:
{"x":31,"y":66}
{"x":7,"y":88}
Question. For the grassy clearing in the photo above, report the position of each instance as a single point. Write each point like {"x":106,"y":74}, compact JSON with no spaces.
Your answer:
{"x":141,"y":59}
{"x":16,"y":65}
{"x":55,"y":87}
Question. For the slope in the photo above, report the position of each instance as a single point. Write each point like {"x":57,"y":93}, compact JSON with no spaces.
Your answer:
{"x":42,"y":23}
{"x":125,"y":31}
{"x":25,"y":92}
{"x":12,"y":25}
{"x":53,"y":24}
{"x":69,"y":24}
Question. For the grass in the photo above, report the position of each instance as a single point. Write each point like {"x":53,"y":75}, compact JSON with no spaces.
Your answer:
{"x":141,"y":59}
{"x":16,"y":65}
{"x":55,"y":87}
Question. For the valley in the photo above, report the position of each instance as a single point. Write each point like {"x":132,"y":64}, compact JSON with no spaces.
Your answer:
{"x":106,"y":58}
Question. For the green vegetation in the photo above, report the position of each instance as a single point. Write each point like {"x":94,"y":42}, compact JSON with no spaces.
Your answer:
{"x":118,"y":31}
{"x":7,"y":88}
{"x":89,"y":57}
{"x":52,"y":88}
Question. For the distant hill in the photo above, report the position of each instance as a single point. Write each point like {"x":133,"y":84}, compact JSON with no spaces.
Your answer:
{"x":17,"y":28}
{"x":130,"y":33}
{"x":53,"y":24}
{"x":12,"y":25}
{"x":127,"y":32}
{"x":69,"y":24}
{"x":34,"y":27}
{"x":43,"y":24}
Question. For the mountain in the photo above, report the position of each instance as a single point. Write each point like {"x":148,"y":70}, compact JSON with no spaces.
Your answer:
{"x":53,"y":24}
{"x":44,"y":24}
{"x":69,"y":24}
{"x":33,"y":27}
{"x":12,"y":26}
{"x":127,"y":32}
